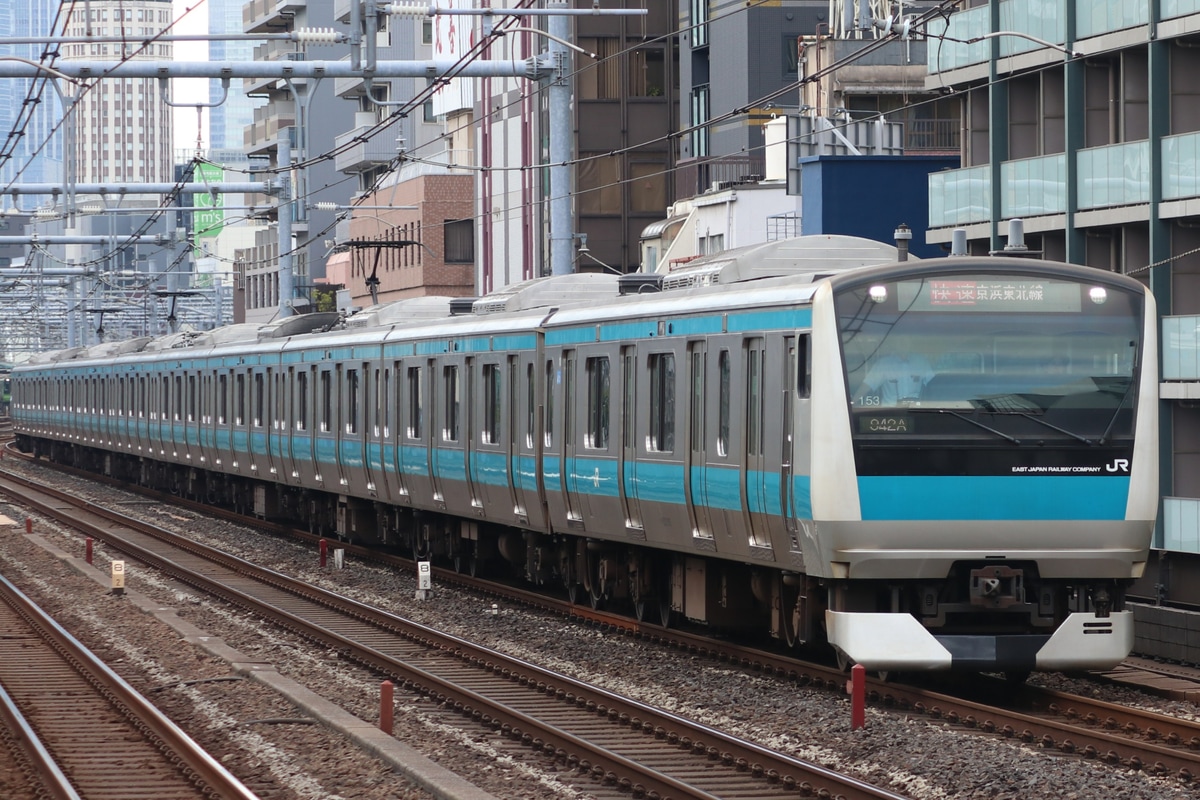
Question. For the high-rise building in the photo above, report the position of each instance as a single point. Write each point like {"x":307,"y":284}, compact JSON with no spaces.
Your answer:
{"x":27,"y":106}
{"x":122,"y":127}
{"x":234,"y":111}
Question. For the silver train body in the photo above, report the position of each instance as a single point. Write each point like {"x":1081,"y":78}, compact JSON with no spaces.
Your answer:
{"x":732,"y":453}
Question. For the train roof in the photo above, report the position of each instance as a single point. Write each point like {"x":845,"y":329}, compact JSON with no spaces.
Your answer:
{"x":812,"y":257}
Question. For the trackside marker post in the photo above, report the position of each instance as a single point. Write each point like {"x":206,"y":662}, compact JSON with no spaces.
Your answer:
{"x":323,"y":547}
{"x":385,"y":707}
{"x":424,"y":580}
{"x":858,"y":697}
{"x":88,"y":550}
{"x":118,"y":577}
{"x":339,"y":558}
{"x":29,"y":524}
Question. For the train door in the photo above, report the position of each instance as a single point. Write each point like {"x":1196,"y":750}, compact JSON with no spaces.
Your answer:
{"x":627,"y":466}
{"x":374,"y":433}
{"x":470,"y":428}
{"x":567,"y":464}
{"x":489,"y":448}
{"x":394,"y":429}
{"x":756,"y":466}
{"x":527,"y":448}
{"x":694,"y":469}
{"x":273,"y":449}
{"x":435,"y":431}
{"x":795,"y":377}
{"x":324,"y":436}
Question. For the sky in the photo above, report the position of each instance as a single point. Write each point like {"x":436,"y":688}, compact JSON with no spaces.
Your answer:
{"x":194,"y":89}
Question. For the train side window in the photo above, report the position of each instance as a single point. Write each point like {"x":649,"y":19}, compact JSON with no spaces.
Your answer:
{"x":490,"y":432}
{"x":326,"y":401}
{"x":414,"y":403}
{"x":239,"y":399}
{"x":723,"y":403}
{"x":142,"y":396}
{"x":191,"y":399}
{"x":662,"y":402}
{"x":596,"y":435}
{"x":698,"y":378}
{"x":628,"y":397}
{"x":531,"y":405}
{"x":450,"y":383}
{"x":380,"y":407}
{"x":804,"y":366}
{"x":260,"y":395}
{"x":178,"y":398}
{"x":352,"y":401}
{"x":754,"y":392}
{"x":301,"y":401}
{"x":548,"y":434}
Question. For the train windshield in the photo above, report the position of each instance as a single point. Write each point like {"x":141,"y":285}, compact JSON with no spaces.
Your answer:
{"x":986,"y":355}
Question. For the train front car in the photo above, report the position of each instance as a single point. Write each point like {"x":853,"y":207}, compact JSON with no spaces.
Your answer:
{"x":984,"y":463}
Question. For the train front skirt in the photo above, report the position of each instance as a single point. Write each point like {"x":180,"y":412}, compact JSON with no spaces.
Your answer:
{"x":885,"y":642}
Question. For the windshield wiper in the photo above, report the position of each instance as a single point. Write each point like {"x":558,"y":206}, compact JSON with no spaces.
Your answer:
{"x":990,"y":407}
{"x":965,"y":418}
{"x":1116,"y":412}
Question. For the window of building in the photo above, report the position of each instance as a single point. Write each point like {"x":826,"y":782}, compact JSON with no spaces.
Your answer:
{"x":647,"y":72}
{"x":459,"y":238}
{"x":599,"y":188}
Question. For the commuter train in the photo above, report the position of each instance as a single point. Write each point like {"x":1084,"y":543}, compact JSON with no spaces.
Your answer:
{"x":927,"y":465}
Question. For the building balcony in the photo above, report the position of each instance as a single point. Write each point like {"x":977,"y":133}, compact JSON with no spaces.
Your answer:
{"x":960,"y":196}
{"x":262,"y":136}
{"x":270,"y":16}
{"x":1034,"y":186}
{"x":360,"y":153}
{"x":695,"y":176}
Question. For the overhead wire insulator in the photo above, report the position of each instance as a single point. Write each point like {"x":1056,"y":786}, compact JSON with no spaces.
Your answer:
{"x":406,"y":9}
{"x":317,"y":35}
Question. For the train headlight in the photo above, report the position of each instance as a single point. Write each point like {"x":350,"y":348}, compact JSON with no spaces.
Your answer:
{"x":1098,"y":295}
{"x":878,"y":294}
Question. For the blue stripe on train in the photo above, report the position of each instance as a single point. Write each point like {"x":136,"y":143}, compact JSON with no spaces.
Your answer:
{"x":997,"y":497}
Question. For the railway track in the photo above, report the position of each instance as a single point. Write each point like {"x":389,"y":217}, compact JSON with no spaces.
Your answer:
{"x":617,"y":741}
{"x":1068,"y":724}
{"x":79,"y":731}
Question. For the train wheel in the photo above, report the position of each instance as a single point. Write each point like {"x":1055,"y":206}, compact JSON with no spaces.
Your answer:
{"x":655,"y":605}
{"x":790,"y":614}
{"x":595,"y":584}
{"x":465,"y":561}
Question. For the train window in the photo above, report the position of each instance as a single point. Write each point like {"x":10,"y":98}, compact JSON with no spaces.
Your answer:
{"x":697,"y":399}
{"x":377,"y":403}
{"x":415,"y":394}
{"x":596,"y":435}
{"x":385,"y":402}
{"x":628,"y":397}
{"x":222,"y":399}
{"x":352,"y":401}
{"x":530,"y":405}
{"x":259,"y":399}
{"x":568,"y":417}
{"x":178,"y":397}
{"x":662,"y":402}
{"x":191,"y":399}
{"x":453,"y":402}
{"x":490,"y":433}
{"x":142,"y":396}
{"x":550,"y":384}
{"x":804,"y":366}
{"x":239,"y":399}
{"x":301,"y":401}
{"x":723,"y":403}
{"x":326,"y":401}
{"x":754,"y":393}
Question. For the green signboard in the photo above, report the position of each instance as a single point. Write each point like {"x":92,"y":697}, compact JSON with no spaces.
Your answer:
{"x":209,"y":216}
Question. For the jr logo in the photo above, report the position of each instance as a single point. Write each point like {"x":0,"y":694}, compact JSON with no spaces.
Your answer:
{"x":1118,"y":465}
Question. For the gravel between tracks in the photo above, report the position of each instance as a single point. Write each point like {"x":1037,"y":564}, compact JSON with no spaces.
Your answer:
{"x":261,"y":739}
